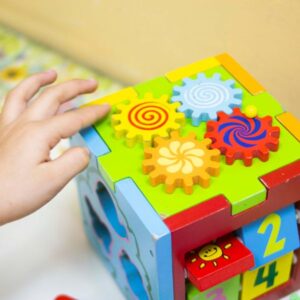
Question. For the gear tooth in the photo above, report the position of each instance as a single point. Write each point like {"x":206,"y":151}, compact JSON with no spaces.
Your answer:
{"x":177,"y":89}
{"x":175,"y":105}
{"x":156,"y":178}
{"x":187,"y":81}
{"x":222,"y":115}
{"x":237,"y":111}
{"x":238,"y":93}
{"x":217,"y":77}
{"x":157,"y":141}
{"x":196,"y":121}
{"x":196,"y":118}
{"x":263,"y":153}
{"x":170,"y":188}
{"x":147,"y":166}
{"x":164,"y":99}
{"x":176,"y":126}
{"x":148,"y":153}
{"x":230,"y":83}
{"x":188,"y":185}
{"x":148,"y":96}
{"x":275,"y":132}
{"x":180,"y":117}
{"x":214,"y":168}
{"x":209,"y":135}
{"x":185,"y":110}
{"x":212,"y":115}
{"x":210,"y":126}
{"x":115,"y":119}
{"x":119,"y":128}
{"x":147,"y":140}
{"x":228,"y":110}
{"x":201,"y":77}
{"x":175,"y":99}
{"x":205,"y":143}
{"x":273,"y":144}
{"x":204,"y":179}
{"x":120,"y":107}
{"x":174,"y":134}
{"x":192,"y":135}
{"x":215,"y":154}
{"x":235,"y":103}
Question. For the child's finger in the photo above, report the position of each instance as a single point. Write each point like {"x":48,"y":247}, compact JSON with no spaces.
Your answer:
{"x":71,"y":122}
{"x":51,"y":98}
{"x":61,"y":170}
{"x":18,"y":97}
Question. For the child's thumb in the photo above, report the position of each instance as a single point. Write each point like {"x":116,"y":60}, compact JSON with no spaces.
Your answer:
{"x":68,"y":165}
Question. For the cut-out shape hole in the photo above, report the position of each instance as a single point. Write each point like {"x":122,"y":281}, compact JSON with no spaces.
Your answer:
{"x":109,"y":209}
{"x":99,"y":227}
{"x":134,"y":278}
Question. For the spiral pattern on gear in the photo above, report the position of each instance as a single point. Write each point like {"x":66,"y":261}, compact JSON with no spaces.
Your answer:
{"x":148,"y":116}
{"x":206,"y":95}
{"x":242,"y":131}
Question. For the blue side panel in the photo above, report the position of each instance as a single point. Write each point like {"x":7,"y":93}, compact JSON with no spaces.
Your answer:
{"x":152,"y":233}
{"x":131,"y":239}
{"x":94,"y":141}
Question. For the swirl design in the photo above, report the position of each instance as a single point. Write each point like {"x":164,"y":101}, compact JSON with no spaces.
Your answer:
{"x":206,"y":95}
{"x":148,"y":116}
{"x":241,"y":131}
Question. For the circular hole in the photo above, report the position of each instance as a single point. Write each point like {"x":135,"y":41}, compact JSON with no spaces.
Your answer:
{"x":106,"y":201}
{"x":134,"y":278}
{"x":99,"y":227}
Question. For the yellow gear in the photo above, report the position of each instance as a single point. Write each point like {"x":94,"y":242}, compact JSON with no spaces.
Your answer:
{"x":181,"y":162}
{"x":144,"y":119}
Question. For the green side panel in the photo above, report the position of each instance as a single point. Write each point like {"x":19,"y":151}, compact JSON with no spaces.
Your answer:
{"x":226,"y":290}
{"x":240,"y":184}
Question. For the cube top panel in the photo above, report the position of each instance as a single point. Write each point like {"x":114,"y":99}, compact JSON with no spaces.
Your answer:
{"x":139,"y":144}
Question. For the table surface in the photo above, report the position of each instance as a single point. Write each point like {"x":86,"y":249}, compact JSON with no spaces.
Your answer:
{"x":47,"y":254}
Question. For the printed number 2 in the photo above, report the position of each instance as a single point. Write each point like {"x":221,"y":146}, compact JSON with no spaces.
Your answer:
{"x":273,"y":245}
{"x":270,"y":278}
{"x":216,"y":294}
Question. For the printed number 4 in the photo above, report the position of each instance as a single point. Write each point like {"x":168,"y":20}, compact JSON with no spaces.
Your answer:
{"x":270,"y":278}
{"x":273,"y":245}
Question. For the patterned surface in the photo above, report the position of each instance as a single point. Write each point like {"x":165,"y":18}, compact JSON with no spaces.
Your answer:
{"x":20,"y":57}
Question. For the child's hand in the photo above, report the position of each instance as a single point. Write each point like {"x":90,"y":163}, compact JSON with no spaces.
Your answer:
{"x":28,"y":131}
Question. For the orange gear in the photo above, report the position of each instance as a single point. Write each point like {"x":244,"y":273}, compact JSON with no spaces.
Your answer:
{"x":181,"y":162}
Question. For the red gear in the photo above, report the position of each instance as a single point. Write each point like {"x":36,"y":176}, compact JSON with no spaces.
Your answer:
{"x":240,"y":137}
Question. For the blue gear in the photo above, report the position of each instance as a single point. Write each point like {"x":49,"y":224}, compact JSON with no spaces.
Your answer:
{"x":202,"y":98}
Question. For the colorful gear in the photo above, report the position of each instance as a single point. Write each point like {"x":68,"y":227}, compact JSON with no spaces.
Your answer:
{"x":143,"y":119}
{"x":181,"y":162}
{"x":202,"y":98}
{"x":240,"y":137}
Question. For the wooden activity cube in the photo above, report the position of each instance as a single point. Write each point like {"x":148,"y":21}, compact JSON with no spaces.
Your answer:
{"x":193,"y":187}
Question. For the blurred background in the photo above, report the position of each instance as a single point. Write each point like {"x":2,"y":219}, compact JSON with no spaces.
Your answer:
{"x":121,"y":43}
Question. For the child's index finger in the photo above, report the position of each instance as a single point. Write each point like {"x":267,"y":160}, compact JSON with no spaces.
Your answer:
{"x":71,"y":122}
